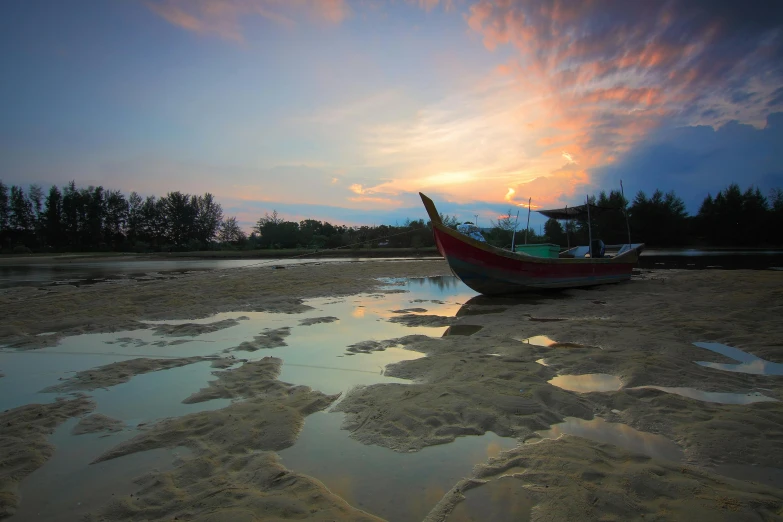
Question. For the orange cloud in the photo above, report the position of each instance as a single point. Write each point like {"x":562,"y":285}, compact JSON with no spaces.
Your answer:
{"x":222,"y":17}
{"x":607,"y":74}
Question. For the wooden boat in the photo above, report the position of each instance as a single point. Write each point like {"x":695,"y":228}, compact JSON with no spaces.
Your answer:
{"x":493,"y":271}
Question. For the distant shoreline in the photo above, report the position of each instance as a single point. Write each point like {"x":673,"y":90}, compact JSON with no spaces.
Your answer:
{"x":78,"y":257}
{"x":685,"y":257}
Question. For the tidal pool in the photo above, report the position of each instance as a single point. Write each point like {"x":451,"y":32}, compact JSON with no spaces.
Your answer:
{"x":313,"y":353}
{"x":538,"y":340}
{"x":395,"y":486}
{"x":616,"y":434}
{"x":746,"y":363}
{"x":589,"y":382}
{"x":499,"y":500}
{"x":719,"y":397}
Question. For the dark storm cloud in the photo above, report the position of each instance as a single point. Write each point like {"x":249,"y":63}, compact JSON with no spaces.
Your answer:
{"x":684,"y":56}
{"x":698,"y":160}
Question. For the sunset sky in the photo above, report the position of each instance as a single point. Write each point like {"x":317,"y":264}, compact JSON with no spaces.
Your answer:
{"x":343,"y":110}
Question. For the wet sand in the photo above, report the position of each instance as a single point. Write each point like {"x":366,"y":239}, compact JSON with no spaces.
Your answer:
{"x":23,"y":442}
{"x":500,"y":378}
{"x":70,"y":310}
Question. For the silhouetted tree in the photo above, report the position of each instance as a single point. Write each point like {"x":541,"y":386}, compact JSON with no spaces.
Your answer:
{"x":554,"y":232}
{"x":5,"y":213}
{"x":135,"y":216}
{"x":22,"y":218}
{"x":94,"y":218}
{"x":208,"y":216}
{"x":116,"y":218}
{"x":735,"y":218}
{"x":180,"y":216}
{"x":230,"y":232}
{"x":449,"y":221}
{"x":70,"y":215}
{"x":660,"y":220}
{"x":52,"y":218}
{"x":609,"y":225}
{"x":502,"y":229}
{"x":775,"y":228}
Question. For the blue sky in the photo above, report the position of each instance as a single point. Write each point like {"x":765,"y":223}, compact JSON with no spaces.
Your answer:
{"x":344,"y":110}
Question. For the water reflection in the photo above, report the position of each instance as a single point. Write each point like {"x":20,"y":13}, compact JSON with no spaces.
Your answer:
{"x":719,"y":397}
{"x":315,"y":356}
{"x":67,"y":487}
{"x":747,"y":363}
{"x":547,"y":342}
{"x":392,"y":485}
{"x":71,"y":269}
{"x":616,"y":434}
{"x":500,"y":500}
{"x":538,"y":340}
{"x":590,"y":382}
{"x":439,"y":282}
{"x":462,"y":329}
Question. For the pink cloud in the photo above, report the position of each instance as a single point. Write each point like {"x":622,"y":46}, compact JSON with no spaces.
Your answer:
{"x":223,"y":17}
{"x":607,"y":73}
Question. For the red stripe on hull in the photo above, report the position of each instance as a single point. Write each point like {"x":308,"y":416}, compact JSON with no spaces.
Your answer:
{"x":492,"y":271}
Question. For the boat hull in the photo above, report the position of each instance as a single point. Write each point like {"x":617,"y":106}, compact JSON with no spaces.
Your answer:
{"x":493,"y":271}
{"x":491,"y":274}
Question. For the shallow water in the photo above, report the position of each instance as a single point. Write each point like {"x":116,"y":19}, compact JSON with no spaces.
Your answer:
{"x":589,"y":382}
{"x":616,"y":434}
{"x":746,"y":363}
{"x":500,"y":500}
{"x":68,"y":487}
{"x":74,"y":270}
{"x":538,"y":340}
{"x":719,"y":397}
{"x":315,"y":355}
{"x":395,"y":486}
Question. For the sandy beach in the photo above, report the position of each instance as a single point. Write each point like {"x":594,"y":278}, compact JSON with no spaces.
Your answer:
{"x":610,"y":409}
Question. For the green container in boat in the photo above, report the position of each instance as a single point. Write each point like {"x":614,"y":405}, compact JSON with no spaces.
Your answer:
{"x":549,"y":250}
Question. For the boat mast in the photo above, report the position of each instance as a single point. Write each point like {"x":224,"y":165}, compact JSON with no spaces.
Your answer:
{"x":514,"y":235}
{"x":568,"y":222}
{"x":625,"y":211}
{"x":589,"y":229}
{"x":529,"y":200}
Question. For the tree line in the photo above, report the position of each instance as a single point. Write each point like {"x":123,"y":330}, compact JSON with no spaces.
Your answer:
{"x":731,"y":218}
{"x":97,"y":219}
{"x":93,"y":218}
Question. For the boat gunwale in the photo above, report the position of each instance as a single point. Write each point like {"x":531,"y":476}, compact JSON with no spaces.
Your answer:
{"x":629,"y":257}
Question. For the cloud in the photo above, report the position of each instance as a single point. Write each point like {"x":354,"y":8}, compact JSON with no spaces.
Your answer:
{"x":651,"y":55}
{"x":474,"y":144}
{"x":585,"y":84}
{"x":609,"y":73}
{"x":223,"y":17}
{"x":695,"y":160}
